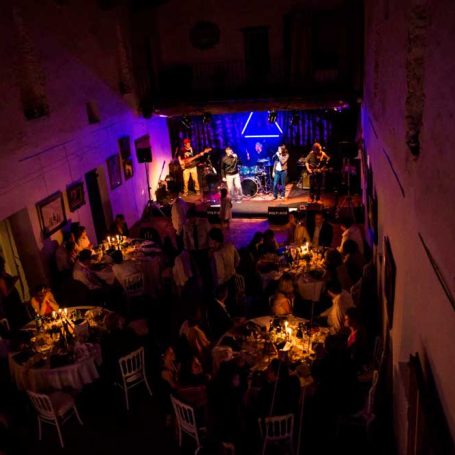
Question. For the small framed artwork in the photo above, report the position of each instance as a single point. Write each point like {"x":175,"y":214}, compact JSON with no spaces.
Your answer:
{"x":75,"y":195}
{"x":51,"y":213}
{"x":125,"y":154}
{"x":390,"y":272}
{"x":113,"y":168}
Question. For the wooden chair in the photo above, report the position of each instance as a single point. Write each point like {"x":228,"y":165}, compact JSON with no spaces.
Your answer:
{"x":54,"y":409}
{"x":132,"y":367}
{"x":277,"y":429}
{"x":186,"y":422}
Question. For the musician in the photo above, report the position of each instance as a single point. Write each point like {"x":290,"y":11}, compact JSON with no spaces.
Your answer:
{"x":190,"y":168}
{"x":315,"y":164}
{"x":257,"y":156}
{"x":230,"y":173}
{"x":280,"y":171}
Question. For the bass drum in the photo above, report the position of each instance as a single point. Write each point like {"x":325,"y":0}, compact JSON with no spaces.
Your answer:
{"x":250,"y":186}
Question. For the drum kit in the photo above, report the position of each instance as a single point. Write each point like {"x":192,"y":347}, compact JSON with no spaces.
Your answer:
{"x":256,"y":179}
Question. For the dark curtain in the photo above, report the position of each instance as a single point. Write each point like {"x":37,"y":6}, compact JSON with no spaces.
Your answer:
{"x":223,"y":130}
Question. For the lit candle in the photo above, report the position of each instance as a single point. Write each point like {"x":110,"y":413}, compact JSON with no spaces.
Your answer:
{"x":65,"y":311}
{"x":286,"y":323}
{"x":289,"y":332}
{"x":54,"y":314}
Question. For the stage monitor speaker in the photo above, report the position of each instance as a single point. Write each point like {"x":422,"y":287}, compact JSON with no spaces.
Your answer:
{"x":143,"y":149}
{"x":278,"y":215}
{"x":213,"y":214}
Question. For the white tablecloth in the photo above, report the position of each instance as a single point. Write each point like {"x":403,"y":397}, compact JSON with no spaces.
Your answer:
{"x":73,"y":376}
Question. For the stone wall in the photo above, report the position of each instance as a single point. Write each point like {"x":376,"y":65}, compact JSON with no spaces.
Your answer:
{"x":409,"y":106}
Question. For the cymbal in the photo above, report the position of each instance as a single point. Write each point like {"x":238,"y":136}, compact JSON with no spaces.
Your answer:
{"x":264,"y":160}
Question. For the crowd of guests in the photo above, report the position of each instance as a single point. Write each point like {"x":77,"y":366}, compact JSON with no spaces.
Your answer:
{"x":212,"y":286}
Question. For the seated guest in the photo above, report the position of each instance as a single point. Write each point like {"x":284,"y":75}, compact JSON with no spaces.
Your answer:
{"x":336,"y":387}
{"x":357,"y":341}
{"x":283,"y":300}
{"x":11,"y":305}
{"x":255,"y":244}
{"x":119,"y":226}
{"x":66,"y":256}
{"x":170,"y":369}
{"x":280,"y":394}
{"x":197,"y":340}
{"x":43,"y":301}
{"x":219,"y":317}
{"x":83,"y":273}
{"x":269,"y":244}
{"x":350,"y":231}
{"x":118,"y":342}
{"x":341,"y":301}
{"x":353,"y":260}
{"x":335,"y":269}
{"x":321,"y":232}
{"x":225,"y":395}
{"x":297,"y":232}
{"x":82,"y":240}
{"x":225,"y":257}
{"x":123,"y":269}
{"x":191,"y":373}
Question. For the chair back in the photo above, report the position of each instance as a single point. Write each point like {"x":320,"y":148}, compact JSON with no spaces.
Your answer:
{"x":42,"y":405}
{"x":134,"y":284}
{"x":132,"y":366}
{"x":186,"y":418}
{"x":150,"y":234}
{"x":5,"y":323}
{"x":278,"y":428}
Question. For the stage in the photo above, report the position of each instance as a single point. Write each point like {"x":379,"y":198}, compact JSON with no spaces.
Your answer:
{"x":257,"y":206}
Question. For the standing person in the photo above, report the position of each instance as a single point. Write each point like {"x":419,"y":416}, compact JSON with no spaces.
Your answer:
{"x":179,"y":212}
{"x":315,"y":164}
{"x":341,"y":301}
{"x":119,"y":226}
{"x":280,"y":171}
{"x":350,"y":231}
{"x":225,"y":257}
{"x":187,"y":160}
{"x":226,"y":208}
{"x":230,"y":174}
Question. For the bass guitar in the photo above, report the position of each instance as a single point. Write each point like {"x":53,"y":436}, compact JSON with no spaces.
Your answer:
{"x":185,"y":162}
{"x":319,"y":168}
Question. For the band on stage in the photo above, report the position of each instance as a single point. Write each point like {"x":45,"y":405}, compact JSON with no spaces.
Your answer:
{"x":259,"y":173}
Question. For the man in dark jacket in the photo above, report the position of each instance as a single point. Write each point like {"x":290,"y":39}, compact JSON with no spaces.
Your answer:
{"x":321,"y":232}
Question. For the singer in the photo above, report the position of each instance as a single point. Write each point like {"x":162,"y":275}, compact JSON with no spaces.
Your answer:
{"x":279,"y":173}
{"x":230,"y":174}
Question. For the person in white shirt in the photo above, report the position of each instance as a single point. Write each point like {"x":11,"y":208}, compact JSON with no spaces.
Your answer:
{"x":341,"y":301}
{"x":224,"y":255}
{"x":297,"y":231}
{"x":351,"y":231}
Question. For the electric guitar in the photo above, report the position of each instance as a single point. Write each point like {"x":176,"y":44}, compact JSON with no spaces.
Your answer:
{"x":185,"y":162}
{"x":319,"y":168}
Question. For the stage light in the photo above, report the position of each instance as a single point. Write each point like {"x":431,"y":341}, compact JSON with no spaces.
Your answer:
{"x":186,"y":122}
{"x":272,"y":116}
{"x":295,"y":119}
{"x":207,"y":117}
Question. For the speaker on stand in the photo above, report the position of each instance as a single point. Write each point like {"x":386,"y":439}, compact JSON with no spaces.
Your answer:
{"x":144,"y":155}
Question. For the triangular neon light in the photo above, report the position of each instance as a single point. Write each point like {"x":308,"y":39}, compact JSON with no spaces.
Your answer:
{"x":263,"y":129}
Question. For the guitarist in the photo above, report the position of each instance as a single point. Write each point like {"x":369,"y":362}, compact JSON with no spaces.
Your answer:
{"x":315,"y":164}
{"x":189,"y":166}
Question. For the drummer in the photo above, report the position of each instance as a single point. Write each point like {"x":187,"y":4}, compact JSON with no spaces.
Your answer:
{"x":258,"y":157}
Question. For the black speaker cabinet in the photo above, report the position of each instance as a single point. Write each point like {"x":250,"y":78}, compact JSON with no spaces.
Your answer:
{"x":278,"y":215}
{"x":143,"y":149}
{"x":213,"y":214}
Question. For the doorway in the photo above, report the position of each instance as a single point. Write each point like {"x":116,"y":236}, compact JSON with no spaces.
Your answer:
{"x":96,"y":205}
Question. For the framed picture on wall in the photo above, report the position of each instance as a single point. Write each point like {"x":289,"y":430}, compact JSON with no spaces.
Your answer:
{"x":75,"y":195}
{"x":125,"y":154}
{"x":390,"y":272}
{"x":113,"y":168}
{"x":51,"y":213}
